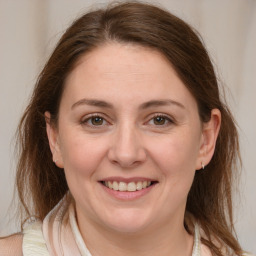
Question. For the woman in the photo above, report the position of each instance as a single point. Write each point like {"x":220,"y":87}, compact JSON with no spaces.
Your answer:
{"x":126,"y":146}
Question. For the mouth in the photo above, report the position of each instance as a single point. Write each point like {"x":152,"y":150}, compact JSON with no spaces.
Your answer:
{"x":131,"y":186}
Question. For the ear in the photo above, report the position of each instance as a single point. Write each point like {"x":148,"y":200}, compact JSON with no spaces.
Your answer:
{"x":53,"y":138}
{"x":210,"y":131}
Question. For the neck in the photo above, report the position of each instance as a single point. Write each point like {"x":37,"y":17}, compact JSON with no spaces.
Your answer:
{"x":166,"y":240}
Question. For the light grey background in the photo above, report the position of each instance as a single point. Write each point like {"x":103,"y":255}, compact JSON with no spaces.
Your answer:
{"x":29,"y":30}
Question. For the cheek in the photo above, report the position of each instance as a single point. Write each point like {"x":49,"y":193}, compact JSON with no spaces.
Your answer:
{"x":175,"y":156}
{"x":81,"y":155}
{"x":176,"y":153}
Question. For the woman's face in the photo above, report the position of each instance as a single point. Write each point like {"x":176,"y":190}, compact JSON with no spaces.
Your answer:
{"x":129,"y":138}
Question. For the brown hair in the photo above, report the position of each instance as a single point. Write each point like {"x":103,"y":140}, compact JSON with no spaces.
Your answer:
{"x":209,"y":200}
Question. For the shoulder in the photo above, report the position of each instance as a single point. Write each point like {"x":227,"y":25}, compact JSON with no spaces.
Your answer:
{"x":33,"y":241}
{"x":11,"y":245}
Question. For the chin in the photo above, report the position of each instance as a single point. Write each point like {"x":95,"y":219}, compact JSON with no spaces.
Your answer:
{"x":127,"y":222}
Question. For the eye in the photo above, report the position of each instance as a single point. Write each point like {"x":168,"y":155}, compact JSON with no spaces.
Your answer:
{"x":94,"y":120}
{"x":160,"y":120}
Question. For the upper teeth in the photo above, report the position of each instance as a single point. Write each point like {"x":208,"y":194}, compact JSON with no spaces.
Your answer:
{"x":123,"y":186}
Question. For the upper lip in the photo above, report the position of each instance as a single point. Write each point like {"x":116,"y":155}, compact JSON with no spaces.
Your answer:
{"x":127,"y":180}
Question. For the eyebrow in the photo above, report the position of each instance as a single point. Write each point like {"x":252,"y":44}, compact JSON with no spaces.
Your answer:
{"x":92,"y":102}
{"x":148,"y":104}
{"x":157,"y":103}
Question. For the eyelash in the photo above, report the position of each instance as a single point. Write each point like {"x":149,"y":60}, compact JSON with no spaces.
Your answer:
{"x":90,"y":117}
{"x":165,"y":117}
{"x":105,"y":122}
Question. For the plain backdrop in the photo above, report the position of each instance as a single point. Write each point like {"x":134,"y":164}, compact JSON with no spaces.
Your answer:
{"x":29,"y":29}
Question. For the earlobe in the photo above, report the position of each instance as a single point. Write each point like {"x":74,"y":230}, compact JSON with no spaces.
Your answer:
{"x":52,"y":135}
{"x":210,"y":133}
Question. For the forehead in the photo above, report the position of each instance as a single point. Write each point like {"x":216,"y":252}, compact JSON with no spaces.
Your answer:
{"x":125,"y":71}
{"x":120,"y":58}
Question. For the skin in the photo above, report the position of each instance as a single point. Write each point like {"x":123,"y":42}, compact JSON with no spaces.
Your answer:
{"x":149,"y":127}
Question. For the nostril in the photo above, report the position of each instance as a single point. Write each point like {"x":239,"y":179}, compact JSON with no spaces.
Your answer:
{"x":125,"y":161}
{"x":127,"y":150}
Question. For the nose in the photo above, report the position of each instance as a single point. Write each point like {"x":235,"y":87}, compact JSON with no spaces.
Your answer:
{"x":127,"y":149}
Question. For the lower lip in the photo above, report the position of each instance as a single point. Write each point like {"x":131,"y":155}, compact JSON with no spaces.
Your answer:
{"x":128,"y":195}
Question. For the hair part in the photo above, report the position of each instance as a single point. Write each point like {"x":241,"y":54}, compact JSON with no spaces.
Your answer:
{"x":41,"y":184}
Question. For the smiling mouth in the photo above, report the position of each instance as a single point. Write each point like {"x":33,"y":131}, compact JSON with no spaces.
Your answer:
{"x":128,"y":187}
